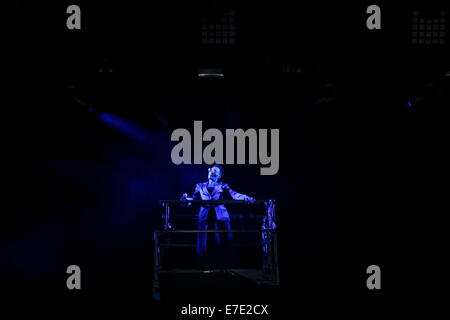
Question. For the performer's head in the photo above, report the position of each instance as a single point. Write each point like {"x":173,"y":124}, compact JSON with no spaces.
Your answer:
{"x":215,"y":172}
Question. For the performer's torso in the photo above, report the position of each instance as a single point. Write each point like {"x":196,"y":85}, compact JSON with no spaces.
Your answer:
{"x":212,"y":192}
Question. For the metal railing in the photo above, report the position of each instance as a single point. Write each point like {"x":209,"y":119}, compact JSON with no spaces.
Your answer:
{"x":268,"y":232}
{"x":167,"y":203}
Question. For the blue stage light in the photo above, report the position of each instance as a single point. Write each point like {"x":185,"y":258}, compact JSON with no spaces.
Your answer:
{"x":124,"y":126}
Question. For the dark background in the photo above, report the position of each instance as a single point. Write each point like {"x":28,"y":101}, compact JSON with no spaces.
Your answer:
{"x":358,"y":113}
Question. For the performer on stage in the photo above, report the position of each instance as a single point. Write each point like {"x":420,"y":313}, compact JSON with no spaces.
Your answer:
{"x":213,"y":216}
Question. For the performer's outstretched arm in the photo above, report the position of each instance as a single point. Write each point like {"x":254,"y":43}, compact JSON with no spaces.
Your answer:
{"x":195,"y":195}
{"x":238,"y":196}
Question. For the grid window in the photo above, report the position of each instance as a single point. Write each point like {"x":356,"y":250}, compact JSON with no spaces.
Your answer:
{"x":432,"y":30}
{"x":220,"y":32}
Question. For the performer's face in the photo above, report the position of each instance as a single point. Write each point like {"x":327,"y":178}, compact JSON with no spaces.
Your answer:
{"x":214,"y":174}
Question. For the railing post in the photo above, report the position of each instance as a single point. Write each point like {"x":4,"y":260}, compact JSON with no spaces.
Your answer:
{"x":167,"y":215}
{"x":156,"y":267}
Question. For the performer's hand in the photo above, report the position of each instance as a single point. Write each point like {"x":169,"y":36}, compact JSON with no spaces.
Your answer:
{"x":184,"y":197}
{"x":250,"y":200}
